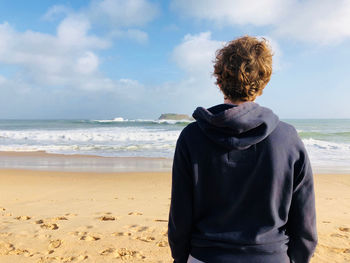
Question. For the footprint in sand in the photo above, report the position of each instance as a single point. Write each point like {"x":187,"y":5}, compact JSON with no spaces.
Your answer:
{"x":68,"y":259}
{"x":40,"y":221}
{"x":49,"y":226}
{"x":107,"y":251}
{"x":162,"y":243}
{"x":47,"y":259}
{"x":19,"y":251}
{"x":160,"y":220}
{"x":130,"y":226}
{"x":23,"y":217}
{"x":107,"y":218}
{"x":118,"y":234}
{"x":2,"y":208}
{"x":335,"y":249}
{"x":55,"y":243}
{"x":60,"y":218}
{"x":137,"y":228}
{"x":82,"y":257}
{"x":135,"y":214}
{"x":164,"y":232}
{"x":70,"y":214}
{"x":57,"y":259}
{"x":124,"y":253}
{"x":146,"y":238}
{"x":6,"y":248}
{"x":142,"y":228}
{"x":344,"y":229}
{"x":90,"y":238}
{"x":103,"y":213}
{"x":78,"y":233}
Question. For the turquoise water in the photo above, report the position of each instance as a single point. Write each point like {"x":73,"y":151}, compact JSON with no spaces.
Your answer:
{"x":327,"y":140}
{"x":335,"y":130}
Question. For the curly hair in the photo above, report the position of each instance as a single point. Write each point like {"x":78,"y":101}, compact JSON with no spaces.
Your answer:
{"x":243,"y":67}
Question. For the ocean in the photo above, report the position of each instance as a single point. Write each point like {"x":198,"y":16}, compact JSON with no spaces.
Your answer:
{"x":326,"y":140}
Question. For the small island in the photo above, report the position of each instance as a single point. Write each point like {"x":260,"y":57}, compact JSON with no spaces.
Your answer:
{"x":175,"y":116}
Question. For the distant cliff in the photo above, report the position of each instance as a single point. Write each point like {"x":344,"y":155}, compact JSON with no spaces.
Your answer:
{"x":174,"y":116}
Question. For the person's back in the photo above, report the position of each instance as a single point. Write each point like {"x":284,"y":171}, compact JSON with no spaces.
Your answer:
{"x":242,"y":187}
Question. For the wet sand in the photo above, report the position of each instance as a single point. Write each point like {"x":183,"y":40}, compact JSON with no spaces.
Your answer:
{"x":40,"y":160}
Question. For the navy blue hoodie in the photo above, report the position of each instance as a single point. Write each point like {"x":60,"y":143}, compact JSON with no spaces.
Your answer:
{"x":242,"y":189}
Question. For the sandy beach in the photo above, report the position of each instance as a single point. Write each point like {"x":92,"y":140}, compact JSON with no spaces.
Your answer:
{"x":62,"y":216}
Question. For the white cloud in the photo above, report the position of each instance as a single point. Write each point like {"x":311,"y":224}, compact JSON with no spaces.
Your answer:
{"x":139,"y":35}
{"x":196,"y":53}
{"x":121,"y":12}
{"x":87,"y":64}
{"x":55,"y":11}
{"x":110,"y":13}
{"x":234,"y":12}
{"x":115,"y":16}
{"x":61,"y":68}
{"x":65,"y":60}
{"x":133,"y":34}
{"x":2,"y":80}
{"x":72,"y":32}
{"x":320,"y":21}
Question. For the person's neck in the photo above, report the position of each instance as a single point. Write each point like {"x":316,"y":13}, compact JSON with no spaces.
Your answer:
{"x":236,"y":102}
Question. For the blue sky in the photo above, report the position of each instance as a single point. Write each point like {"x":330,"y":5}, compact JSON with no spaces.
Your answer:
{"x":103,"y":59}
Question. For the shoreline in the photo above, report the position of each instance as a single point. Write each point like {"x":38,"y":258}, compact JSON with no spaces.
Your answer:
{"x":41,"y":160}
{"x":75,"y":155}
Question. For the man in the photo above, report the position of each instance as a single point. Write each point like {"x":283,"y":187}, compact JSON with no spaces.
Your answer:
{"x":242,"y":184}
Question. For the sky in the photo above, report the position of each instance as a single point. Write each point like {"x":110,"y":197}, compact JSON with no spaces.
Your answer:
{"x":137,"y":59}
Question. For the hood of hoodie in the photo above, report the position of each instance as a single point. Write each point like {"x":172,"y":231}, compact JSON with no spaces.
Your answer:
{"x":236,"y":126}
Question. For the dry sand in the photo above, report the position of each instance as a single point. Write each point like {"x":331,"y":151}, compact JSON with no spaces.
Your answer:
{"x":118,"y":217}
{"x":89,"y":217}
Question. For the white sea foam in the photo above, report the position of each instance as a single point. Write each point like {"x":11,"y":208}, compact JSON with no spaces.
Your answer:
{"x":117,"y":119}
{"x":149,"y":138}
{"x":112,"y":134}
{"x":324,"y":154}
{"x":120,"y":119}
{"x":111,"y":141}
{"x":173,"y":121}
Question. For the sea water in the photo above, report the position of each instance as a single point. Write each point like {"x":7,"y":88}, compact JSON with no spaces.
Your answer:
{"x":326,"y":140}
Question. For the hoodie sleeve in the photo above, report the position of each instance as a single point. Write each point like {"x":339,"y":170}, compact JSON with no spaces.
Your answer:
{"x":180,"y":215}
{"x":302,"y":216}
